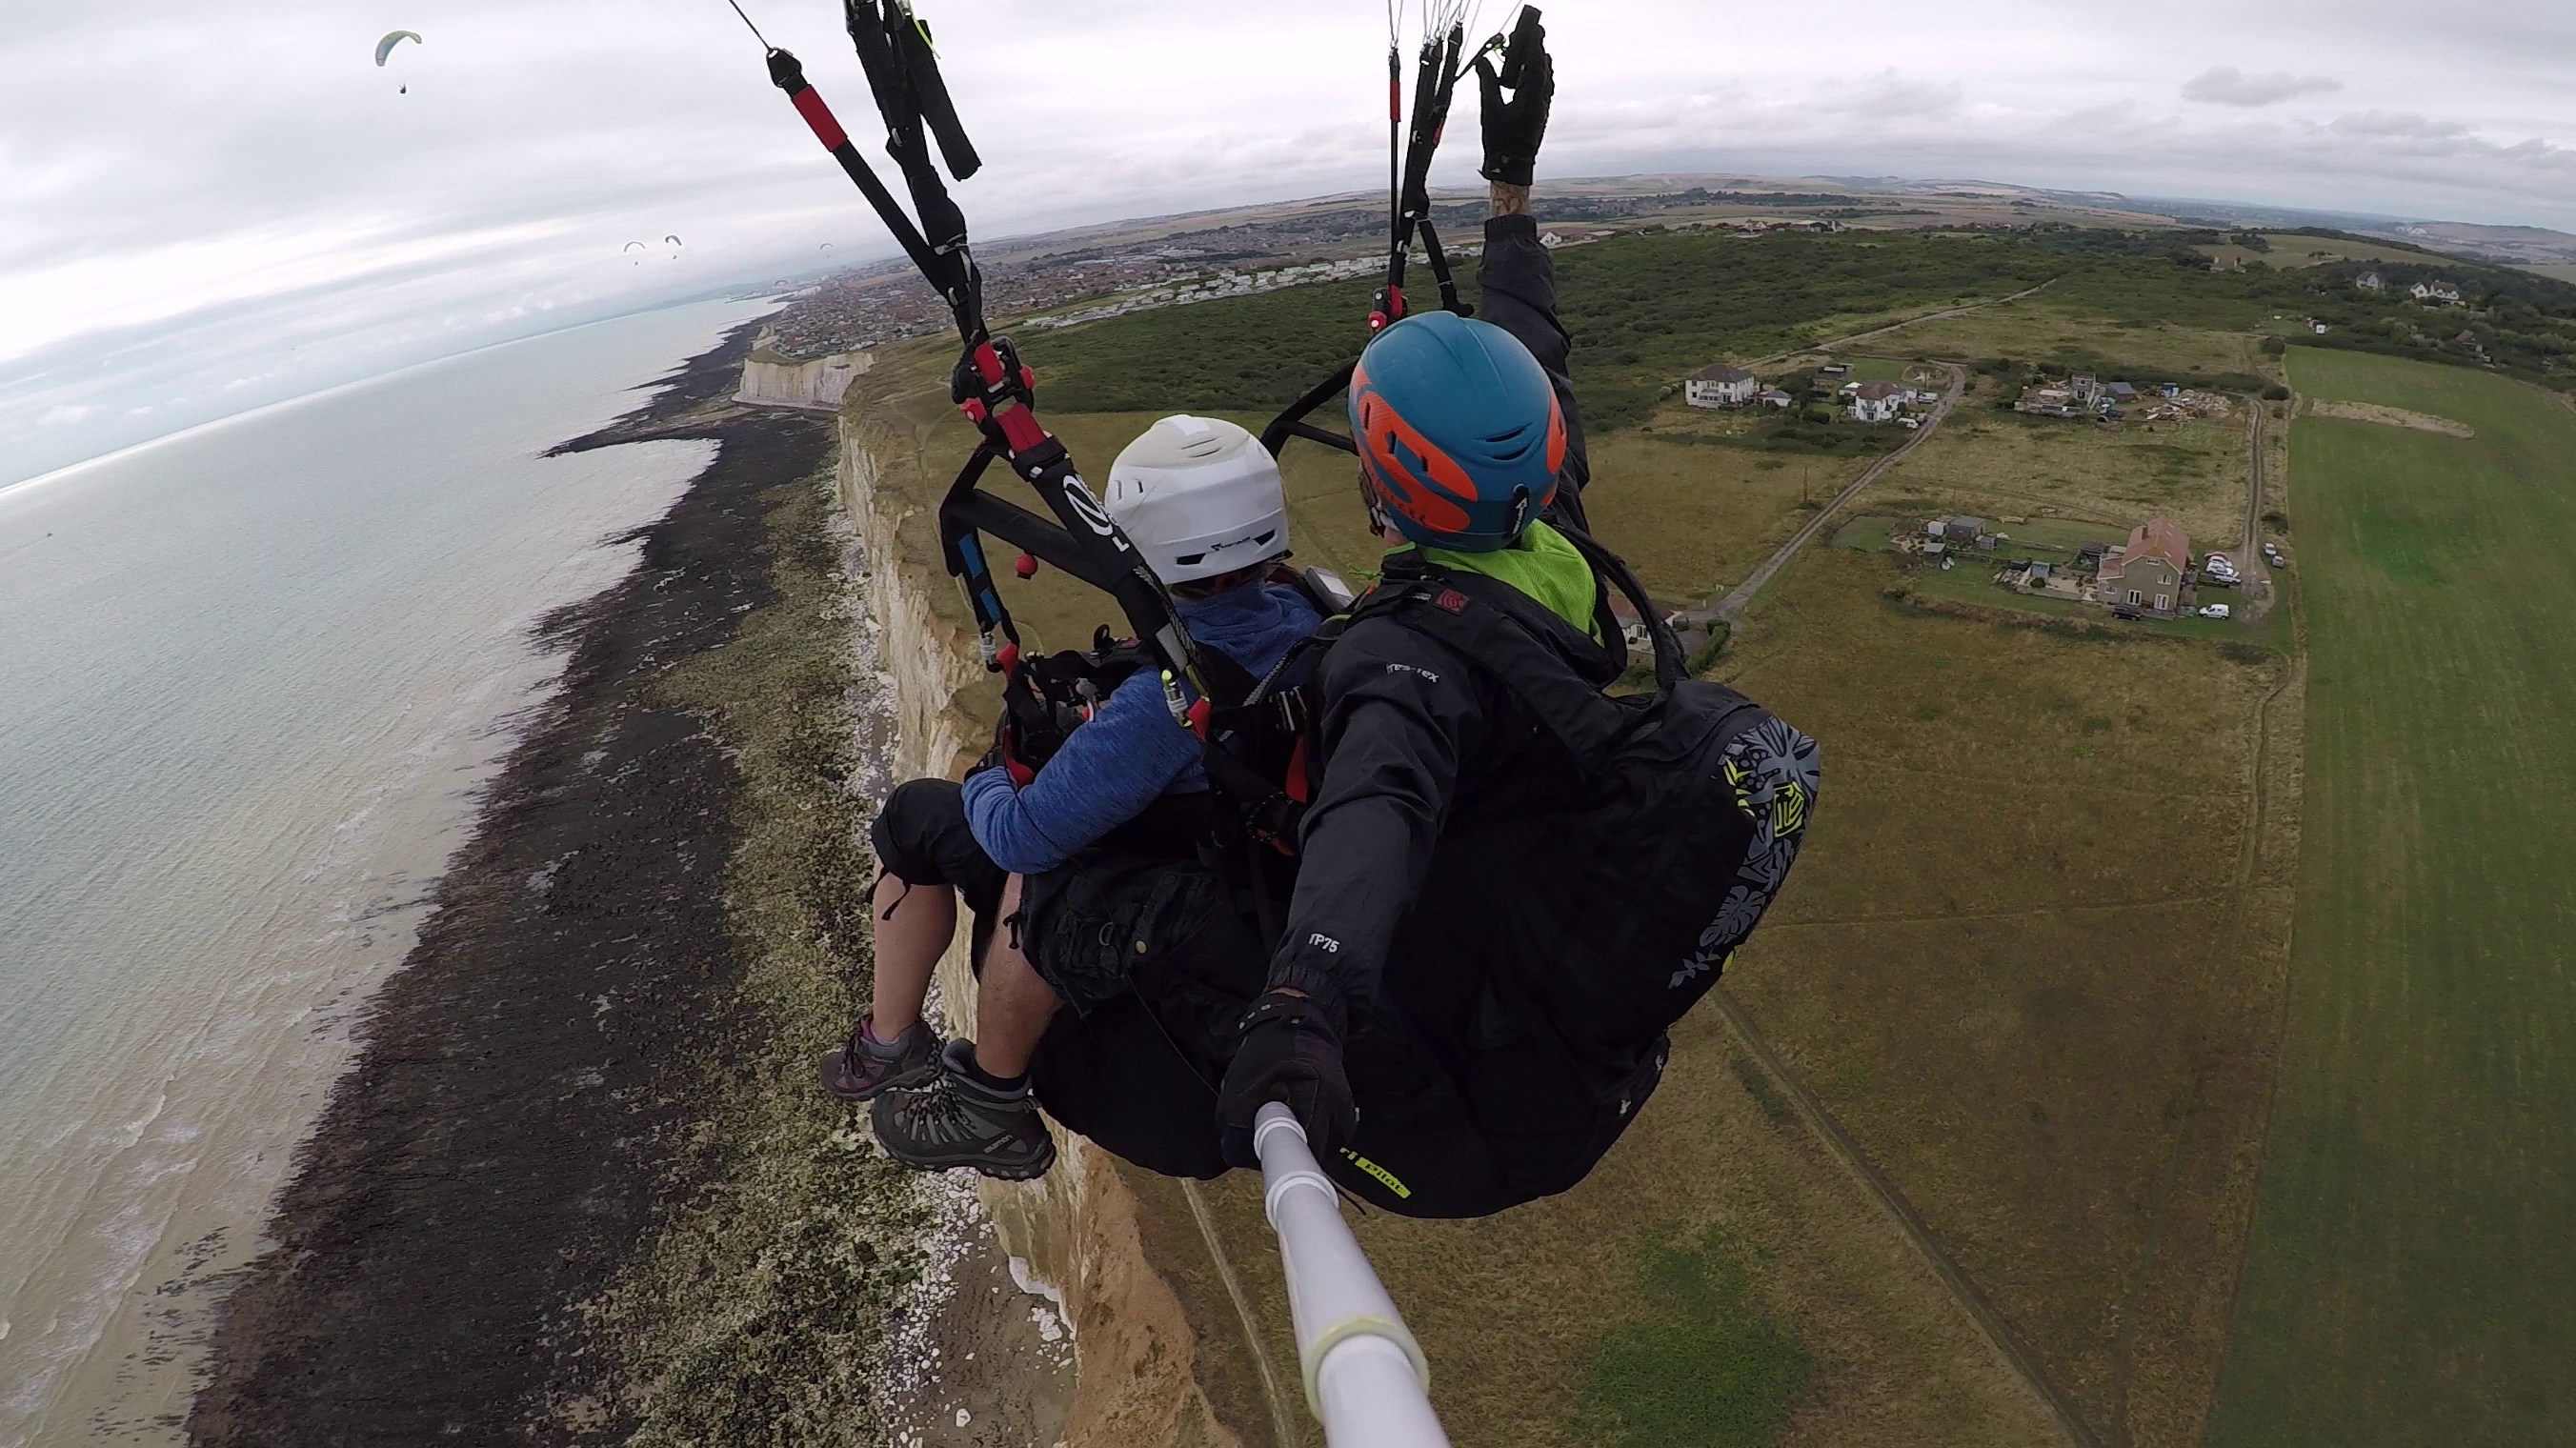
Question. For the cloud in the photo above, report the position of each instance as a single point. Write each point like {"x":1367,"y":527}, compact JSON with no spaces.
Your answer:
{"x":2227,"y":86}
{"x":61,"y":413}
{"x":258,"y":200}
{"x":2397,"y":126}
{"x":1889,"y":95}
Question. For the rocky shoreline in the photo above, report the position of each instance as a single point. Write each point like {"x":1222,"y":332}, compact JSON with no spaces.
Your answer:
{"x":578,"y":1187}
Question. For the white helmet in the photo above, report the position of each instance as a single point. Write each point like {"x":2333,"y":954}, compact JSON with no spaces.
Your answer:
{"x":1198,"y":496}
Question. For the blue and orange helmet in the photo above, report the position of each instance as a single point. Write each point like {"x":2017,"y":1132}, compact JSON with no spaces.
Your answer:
{"x":1459,"y":434}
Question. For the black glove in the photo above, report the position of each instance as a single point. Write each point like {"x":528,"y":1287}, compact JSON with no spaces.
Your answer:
{"x":1514,"y":128}
{"x":1288,"y":1052}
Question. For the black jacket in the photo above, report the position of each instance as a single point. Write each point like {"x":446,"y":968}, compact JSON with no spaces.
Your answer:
{"x":1430,"y":771}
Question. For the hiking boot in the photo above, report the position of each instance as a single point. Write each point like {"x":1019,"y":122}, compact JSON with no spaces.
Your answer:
{"x":863,"y":1066}
{"x":957,"y":1120}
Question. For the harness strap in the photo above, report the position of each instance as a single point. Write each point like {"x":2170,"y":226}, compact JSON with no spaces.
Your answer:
{"x":1502,"y":629}
{"x":1467,"y":613}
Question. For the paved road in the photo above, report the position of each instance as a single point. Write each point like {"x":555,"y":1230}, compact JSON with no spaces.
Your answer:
{"x":1695,"y":621}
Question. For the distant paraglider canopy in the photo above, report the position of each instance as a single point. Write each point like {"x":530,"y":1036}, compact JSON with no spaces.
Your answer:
{"x":675,"y":241}
{"x":634,"y":246}
{"x":385,"y":47}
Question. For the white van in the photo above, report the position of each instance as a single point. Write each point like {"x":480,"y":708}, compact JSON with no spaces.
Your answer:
{"x":2214,"y":610}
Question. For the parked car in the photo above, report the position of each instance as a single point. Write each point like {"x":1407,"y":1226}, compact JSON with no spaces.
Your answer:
{"x":2214,"y":610}
{"x":2124,"y":611}
{"x":2272,"y":555}
{"x":2222,"y":563}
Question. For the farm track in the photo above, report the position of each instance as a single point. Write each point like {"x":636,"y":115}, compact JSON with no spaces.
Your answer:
{"x":1738,"y":598}
{"x":1280,"y":1421}
{"x":2000,"y":1335}
{"x":1696,"y":621}
{"x":2250,"y":552}
{"x":2007,"y":1344}
{"x":2164,"y":903}
{"x":1944,"y":315}
{"x":2230,"y":927}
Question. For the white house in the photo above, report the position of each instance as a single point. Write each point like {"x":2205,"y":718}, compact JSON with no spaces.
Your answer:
{"x":1777,"y":398}
{"x":2440,"y":294}
{"x":1720,"y":387}
{"x":1877,"y":402}
{"x":2370,"y":282}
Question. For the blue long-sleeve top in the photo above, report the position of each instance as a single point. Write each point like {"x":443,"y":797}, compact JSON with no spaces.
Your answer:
{"x":1131,"y":752}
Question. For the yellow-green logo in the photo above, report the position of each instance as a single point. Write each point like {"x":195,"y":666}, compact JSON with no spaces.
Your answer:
{"x":1384,"y":1177}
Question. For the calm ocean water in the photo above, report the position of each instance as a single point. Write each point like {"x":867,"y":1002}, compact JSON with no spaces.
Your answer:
{"x":251,"y":681}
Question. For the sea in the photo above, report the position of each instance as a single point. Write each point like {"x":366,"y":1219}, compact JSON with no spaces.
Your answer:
{"x":253,"y":679}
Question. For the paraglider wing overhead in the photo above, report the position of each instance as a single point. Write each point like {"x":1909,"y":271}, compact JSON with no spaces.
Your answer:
{"x":675,"y":241}
{"x":633,"y":246}
{"x":385,"y":47}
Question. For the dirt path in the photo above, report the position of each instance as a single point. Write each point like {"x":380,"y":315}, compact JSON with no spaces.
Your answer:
{"x":1941,"y":316}
{"x":2249,"y":553}
{"x":2007,"y":1344}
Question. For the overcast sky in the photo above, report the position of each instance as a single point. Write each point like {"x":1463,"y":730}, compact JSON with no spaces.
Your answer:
{"x":209,"y":205}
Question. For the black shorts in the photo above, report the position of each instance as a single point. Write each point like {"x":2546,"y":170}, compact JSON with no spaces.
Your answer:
{"x":920,"y":837}
{"x":1086,"y":927}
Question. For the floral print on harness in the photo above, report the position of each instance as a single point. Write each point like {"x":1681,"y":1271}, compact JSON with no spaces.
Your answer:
{"x":1773,"y":770}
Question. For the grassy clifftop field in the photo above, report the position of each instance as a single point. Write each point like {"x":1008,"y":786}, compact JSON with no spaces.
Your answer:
{"x":1978,"y":1157}
{"x":2411,"y":1277}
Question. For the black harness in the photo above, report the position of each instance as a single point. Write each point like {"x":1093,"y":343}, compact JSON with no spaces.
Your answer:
{"x":1251,"y":730}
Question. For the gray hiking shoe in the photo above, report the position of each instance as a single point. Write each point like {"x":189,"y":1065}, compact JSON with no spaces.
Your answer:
{"x":957,"y":1120}
{"x":861,"y":1068}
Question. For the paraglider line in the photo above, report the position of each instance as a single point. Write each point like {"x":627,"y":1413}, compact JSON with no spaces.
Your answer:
{"x":755,"y":30}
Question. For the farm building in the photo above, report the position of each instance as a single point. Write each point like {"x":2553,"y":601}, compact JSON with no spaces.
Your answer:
{"x":1720,"y":387}
{"x":1776,"y":398}
{"x":1877,"y":401}
{"x":2370,"y":282}
{"x":2122,"y":393}
{"x":2148,"y":573}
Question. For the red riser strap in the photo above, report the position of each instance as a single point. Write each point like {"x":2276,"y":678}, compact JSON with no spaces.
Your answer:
{"x":819,"y":116}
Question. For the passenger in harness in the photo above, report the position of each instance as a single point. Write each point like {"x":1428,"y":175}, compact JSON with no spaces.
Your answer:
{"x":1511,"y":883}
{"x":1064,"y":832}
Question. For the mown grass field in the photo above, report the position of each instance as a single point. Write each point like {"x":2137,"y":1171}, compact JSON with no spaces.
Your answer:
{"x":2412,"y":1270}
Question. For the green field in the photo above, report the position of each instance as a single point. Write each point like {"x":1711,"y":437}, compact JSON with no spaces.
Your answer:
{"x":2411,"y":1275}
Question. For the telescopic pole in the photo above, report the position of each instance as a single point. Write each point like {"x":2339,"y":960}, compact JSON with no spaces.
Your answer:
{"x":1365,"y":1375}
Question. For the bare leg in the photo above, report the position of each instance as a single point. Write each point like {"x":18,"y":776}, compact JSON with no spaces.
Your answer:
{"x":1012,"y":1006}
{"x":914,"y":925}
